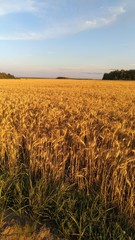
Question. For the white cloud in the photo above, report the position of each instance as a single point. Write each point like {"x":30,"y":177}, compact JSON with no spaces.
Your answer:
{"x":132,"y":65}
{"x":13,"y":6}
{"x":55,"y":30}
{"x":99,"y":22}
{"x":35,"y":6}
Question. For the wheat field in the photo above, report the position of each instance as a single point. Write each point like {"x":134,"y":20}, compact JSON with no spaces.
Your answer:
{"x":78,"y":131}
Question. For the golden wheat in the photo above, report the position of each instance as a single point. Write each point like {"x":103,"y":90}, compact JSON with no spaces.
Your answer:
{"x":80,"y":131}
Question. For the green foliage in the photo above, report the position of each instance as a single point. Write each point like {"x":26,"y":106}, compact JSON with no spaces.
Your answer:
{"x":6,"y":76}
{"x":75,"y":213}
{"x":122,"y":75}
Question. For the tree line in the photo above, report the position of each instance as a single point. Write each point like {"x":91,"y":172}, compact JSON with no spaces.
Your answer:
{"x":120,"y":75}
{"x":6,"y":76}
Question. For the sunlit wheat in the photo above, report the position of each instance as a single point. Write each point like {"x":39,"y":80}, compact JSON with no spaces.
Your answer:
{"x":82,"y":132}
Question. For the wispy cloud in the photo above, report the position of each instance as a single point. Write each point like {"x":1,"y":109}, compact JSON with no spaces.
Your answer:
{"x":132,"y":65}
{"x":13,"y":6}
{"x":99,"y":22}
{"x":55,"y":29}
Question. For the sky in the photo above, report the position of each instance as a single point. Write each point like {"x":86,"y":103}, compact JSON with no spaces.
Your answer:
{"x":71,"y":38}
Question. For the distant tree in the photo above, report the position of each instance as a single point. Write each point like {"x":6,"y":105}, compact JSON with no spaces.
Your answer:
{"x":120,"y":75}
{"x":6,"y":76}
{"x":61,"y":78}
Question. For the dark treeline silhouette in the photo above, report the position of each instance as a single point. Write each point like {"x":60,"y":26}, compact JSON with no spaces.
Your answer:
{"x":6,"y":75}
{"x":61,"y":78}
{"x":120,"y":75}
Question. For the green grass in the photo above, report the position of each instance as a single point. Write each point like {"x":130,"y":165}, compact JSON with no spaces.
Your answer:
{"x":75,"y":213}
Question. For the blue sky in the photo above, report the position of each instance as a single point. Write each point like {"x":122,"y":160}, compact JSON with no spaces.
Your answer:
{"x":73,"y":38}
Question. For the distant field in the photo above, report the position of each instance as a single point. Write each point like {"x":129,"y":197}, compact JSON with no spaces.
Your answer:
{"x":70,"y":131}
